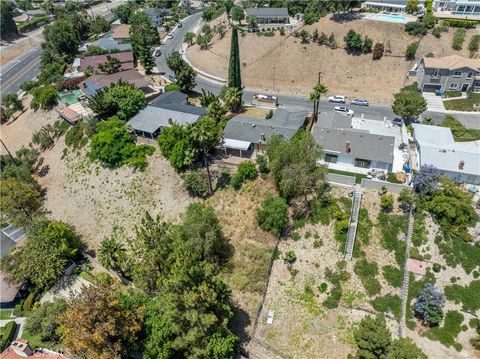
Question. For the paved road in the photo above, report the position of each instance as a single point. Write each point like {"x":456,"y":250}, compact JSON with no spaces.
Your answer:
{"x":27,"y":66}
{"x":375,"y":112}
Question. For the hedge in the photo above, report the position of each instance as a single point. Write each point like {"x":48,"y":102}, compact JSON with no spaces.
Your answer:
{"x":8,"y":333}
{"x":32,"y":23}
{"x":466,"y":24}
{"x":28,"y":303}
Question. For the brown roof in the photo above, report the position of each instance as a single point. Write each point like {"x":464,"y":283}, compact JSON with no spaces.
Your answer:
{"x":125,"y":58}
{"x":162,"y":34}
{"x":451,"y":62}
{"x":96,"y":82}
{"x":8,"y":291}
{"x":20,"y":349}
{"x":121,"y":31}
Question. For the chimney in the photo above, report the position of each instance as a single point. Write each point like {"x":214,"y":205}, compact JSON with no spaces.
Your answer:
{"x":263,"y":137}
{"x":170,"y":121}
{"x":21,"y":348}
{"x":347,"y":147}
{"x":461,"y":164}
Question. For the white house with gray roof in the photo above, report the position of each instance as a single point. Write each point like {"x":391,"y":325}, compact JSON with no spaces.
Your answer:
{"x":436,"y":146}
{"x":268,"y":15}
{"x":244,"y":136}
{"x":350,"y":149}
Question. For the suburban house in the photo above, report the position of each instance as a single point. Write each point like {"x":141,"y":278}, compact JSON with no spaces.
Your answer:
{"x":121,"y":32}
{"x":92,"y":84}
{"x":436,"y":146}
{"x":20,"y":349}
{"x":351,"y":149}
{"x":394,"y":6}
{"x":156,"y":16}
{"x":107,"y":43}
{"x":463,"y":9}
{"x":164,"y":111}
{"x":244,"y":136}
{"x":268,"y":15}
{"x":125,"y":58}
{"x":450,"y":73}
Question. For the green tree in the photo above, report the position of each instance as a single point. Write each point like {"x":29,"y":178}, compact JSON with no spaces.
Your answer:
{"x":44,"y":320}
{"x":123,"y":12}
{"x":251,"y":21}
{"x":367,"y":45}
{"x":412,"y":6}
{"x":203,"y":40}
{"x":99,"y":25}
{"x":305,"y":36}
{"x":51,"y":73}
{"x":234,"y":75}
{"x":272,"y":216}
{"x":120,"y":99}
{"x":44,"y":97}
{"x":319,"y":90}
{"x":94,"y":50}
{"x":411,"y":51}
{"x":41,"y":261}
{"x":196,"y":183}
{"x":7,"y":25}
{"x":11,"y":104}
{"x":112,"y":65}
{"x":237,"y":14}
{"x":386,"y":202}
{"x":409,"y":104}
{"x":233,"y":99}
{"x":62,"y":38}
{"x":189,"y":38}
{"x":20,"y":200}
{"x":405,"y":348}
{"x":372,"y":338}
{"x":353,"y":41}
{"x":143,"y":37}
{"x":112,"y":254}
{"x":183,"y":71}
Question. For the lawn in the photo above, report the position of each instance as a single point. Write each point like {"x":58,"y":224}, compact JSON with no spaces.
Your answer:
{"x":463,"y":104}
{"x":358,"y":176}
{"x":6,"y":314}
{"x":34,"y":340}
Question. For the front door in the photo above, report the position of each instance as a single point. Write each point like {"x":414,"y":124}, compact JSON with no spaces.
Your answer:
{"x":464,"y":87}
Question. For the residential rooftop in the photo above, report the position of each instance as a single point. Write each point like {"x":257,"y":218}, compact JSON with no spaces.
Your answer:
{"x":125,"y":58}
{"x":91,"y":85}
{"x":121,"y":31}
{"x":451,"y":62}
{"x":267,"y":11}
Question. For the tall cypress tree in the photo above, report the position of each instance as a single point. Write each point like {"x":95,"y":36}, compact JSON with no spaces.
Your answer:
{"x":234,"y":78}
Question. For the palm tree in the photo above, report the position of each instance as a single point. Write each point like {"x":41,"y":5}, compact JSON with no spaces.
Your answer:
{"x":233,"y":99}
{"x":112,"y":254}
{"x":319,"y":90}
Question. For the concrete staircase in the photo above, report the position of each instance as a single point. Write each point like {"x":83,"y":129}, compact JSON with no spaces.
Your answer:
{"x":406,"y":274}
{"x":434,"y":102}
{"x":352,"y":228}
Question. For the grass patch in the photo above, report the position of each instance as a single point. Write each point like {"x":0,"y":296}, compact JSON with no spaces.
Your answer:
{"x":88,"y":277}
{"x":469,"y":296}
{"x":393,"y":276}
{"x":420,"y":232}
{"x":388,"y":304}
{"x":391,"y":225}
{"x":458,"y":252}
{"x":459,"y":132}
{"x":414,"y":288}
{"x":323,"y":213}
{"x":336,"y":279}
{"x":446,"y":334}
{"x":358,"y":176}
{"x":367,"y":272}
{"x":464,"y":104}
{"x":34,"y":340}
{"x":6,"y":314}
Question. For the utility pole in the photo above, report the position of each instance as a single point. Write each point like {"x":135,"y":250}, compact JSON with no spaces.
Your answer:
{"x":9,"y":153}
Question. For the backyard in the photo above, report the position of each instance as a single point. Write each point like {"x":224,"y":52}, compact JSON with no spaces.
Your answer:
{"x":465,"y":104}
{"x":345,"y":74}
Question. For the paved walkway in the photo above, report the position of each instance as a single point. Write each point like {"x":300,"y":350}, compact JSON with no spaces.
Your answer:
{"x":434,"y":102}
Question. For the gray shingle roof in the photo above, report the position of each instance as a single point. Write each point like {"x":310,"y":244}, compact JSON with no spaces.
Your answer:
{"x":363,"y":145}
{"x":168,"y":98}
{"x":283,"y":122}
{"x":110,"y":44}
{"x":267,"y":11}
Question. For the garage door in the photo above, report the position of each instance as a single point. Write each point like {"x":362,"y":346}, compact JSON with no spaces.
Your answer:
{"x":431,"y":88}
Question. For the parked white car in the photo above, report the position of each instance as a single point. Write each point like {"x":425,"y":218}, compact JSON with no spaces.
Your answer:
{"x":170,"y":36}
{"x":343,"y":110}
{"x":337,"y":99}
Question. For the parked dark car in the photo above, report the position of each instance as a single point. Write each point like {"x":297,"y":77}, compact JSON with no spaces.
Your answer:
{"x":397,"y":121}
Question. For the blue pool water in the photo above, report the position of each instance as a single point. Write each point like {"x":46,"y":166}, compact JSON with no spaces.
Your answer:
{"x":390,"y":18}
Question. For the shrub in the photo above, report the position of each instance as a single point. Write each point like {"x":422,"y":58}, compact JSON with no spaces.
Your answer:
{"x":429,"y":21}
{"x":388,"y":303}
{"x":8,"y":333}
{"x":468,"y":295}
{"x":367,"y":271}
{"x":411,"y":51}
{"x":386,"y":202}
{"x":449,"y":331}
{"x":247,"y":170}
{"x":44,"y":97}
{"x":322,"y":288}
{"x":262,"y":164}
{"x":415,"y":28}
{"x":28,"y":303}
{"x":353,"y":41}
{"x":269,"y":115}
{"x":378,"y":51}
{"x":172,"y":87}
{"x":437,"y":32}
{"x":429,"y":305}
{"x":196,"y":183}
{"x":272,"y":216}
{"x":466,"y":24}
{"x":290,"y":257}
{"x":474,"y":43}
{"x":367,"y":45}
{"x":437,"y":267}
{"x":393,"y":276}
{"x":458,"y":39}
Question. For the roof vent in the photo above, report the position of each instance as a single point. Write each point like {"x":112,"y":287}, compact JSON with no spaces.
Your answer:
{"x":461,"y":164}
{"x":347,"y":147}
{"x":263,"y":137}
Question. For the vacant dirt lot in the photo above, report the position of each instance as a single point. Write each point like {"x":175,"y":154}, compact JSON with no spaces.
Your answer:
{"x":296,"y":65}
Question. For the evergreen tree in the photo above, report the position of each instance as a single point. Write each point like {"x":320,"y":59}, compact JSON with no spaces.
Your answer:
{"x":234,"y":78}
{"x":372,"y":338}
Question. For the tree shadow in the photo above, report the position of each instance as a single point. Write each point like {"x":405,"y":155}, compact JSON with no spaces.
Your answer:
{"x":240,"y":321}
{"x":345,"y":17}
{"x":44,"y":171}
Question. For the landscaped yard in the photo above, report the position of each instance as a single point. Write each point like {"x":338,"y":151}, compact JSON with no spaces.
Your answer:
{"x":463,"y":104}
{"x":6,"y":314}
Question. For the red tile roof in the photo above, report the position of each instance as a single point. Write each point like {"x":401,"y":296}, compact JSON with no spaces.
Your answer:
{"x":20,"y":349}
{"x":125,"y":58}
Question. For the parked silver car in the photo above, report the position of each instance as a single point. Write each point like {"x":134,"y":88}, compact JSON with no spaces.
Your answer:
{"x":337,"y":99}
{"x":359,"y":102}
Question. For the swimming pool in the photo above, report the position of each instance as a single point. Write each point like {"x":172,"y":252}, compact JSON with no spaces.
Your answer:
{"x":400,"y":19}
{"x":70,"y":97}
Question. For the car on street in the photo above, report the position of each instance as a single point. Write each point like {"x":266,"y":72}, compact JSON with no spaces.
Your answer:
{"x":337,"y":99}
{"x":397,"y":121}
{"x":157,"y":52}
{"x":170,"y":36}
{"x":343,"y":110}
{"x":359,"y":102}
{"x":172,"y":78}
{"x":180,"y":24}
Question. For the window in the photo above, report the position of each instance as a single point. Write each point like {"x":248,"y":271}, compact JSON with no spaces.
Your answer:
{"x":457,"y":74}
{"x":477,"y":84}
{"x":362,"y":163}
{"x":469,"y":75}
{"x":435,"y":73}
{"x":331,"y":158}
{"x":453,"y":86}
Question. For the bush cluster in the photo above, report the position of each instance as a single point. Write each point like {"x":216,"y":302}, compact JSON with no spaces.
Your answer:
{"x":458,"y":39}
{"x":367,"y":272}
{"x":466,"y":24}
{"x":196,"y":183}
{"x":272,"y":216}
{"x":245,"y":171}
{"x":388,"y":303}
{"x":8,"y":333}
{"x":393,"y":276}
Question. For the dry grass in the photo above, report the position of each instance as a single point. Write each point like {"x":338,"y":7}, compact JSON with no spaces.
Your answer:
{"x":296,"y":65}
